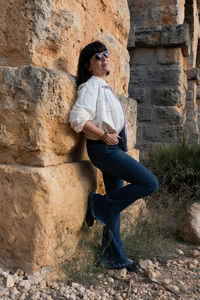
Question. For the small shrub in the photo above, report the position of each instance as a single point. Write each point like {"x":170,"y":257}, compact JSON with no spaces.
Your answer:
{"x":176,"y":165}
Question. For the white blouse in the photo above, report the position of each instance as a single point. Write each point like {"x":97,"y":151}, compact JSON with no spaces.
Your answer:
{"x":97,"y":102}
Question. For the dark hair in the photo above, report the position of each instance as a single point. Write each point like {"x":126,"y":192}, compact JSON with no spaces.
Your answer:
{"x":83,"y":73}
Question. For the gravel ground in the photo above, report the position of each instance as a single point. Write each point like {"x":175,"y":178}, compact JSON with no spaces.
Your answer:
{"x":176,"y":279}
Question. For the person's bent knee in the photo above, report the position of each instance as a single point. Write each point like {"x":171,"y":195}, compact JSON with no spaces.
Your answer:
{"x":153,"y":186}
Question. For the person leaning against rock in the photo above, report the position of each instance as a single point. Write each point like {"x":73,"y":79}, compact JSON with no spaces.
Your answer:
{"x":99,"y":114}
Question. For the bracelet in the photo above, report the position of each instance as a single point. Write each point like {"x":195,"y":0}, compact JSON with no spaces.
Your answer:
{"x":104,"y":137}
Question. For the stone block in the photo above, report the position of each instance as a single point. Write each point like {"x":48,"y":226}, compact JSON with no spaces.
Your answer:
{"x":130,"y":110}
{"x":165,"y":133}
{"x":176,"y":36}
{"x":194,"y":74}
{"x":168,"y":115}
{"x":167,"y":56}
{"x":41,"y":212}
{"x":152,"y":2}
{"x":148,"y":37}
{"x":191,"y":91}
{"x":189,"y":227}
{"x":34,"y":113}
{"x":137,"y":93}
{"x":51,"y":34}
{"x":152,"y":75}
{"x":191,"y":106}
{"x":172,"y":36}
{"x":146,"y":13}
{"x":145,"y":113}
{"x":137,"y":79}
{"x":143,"y":56}
{"x":172,"y":75}
{"x":168,"y":96}
{"x":132,"y":214}
{"x":192,"y":85}
{"x":162,"y":15}
{"x":192,"y":116}
{"x":144,"y":148}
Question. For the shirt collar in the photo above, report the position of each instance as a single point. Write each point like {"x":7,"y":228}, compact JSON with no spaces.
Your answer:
{"x":100,"y":80}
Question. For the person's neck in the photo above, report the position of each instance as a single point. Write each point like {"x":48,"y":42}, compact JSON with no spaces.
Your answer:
{"x":101,"y":76}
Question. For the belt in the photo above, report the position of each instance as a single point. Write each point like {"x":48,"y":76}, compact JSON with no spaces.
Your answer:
{"x":94,"y":141}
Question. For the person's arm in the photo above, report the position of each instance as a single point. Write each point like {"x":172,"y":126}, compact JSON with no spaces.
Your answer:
{"x":111,"y":138}
{"x":84,"y":111}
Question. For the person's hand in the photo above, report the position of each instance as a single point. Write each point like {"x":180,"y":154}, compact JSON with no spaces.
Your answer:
{"x":112,"y":139}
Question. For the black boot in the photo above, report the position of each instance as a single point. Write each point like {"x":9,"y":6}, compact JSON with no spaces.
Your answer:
{"x":134,"y":267}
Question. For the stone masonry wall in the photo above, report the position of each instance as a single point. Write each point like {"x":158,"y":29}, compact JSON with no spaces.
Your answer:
{"x":44,"y":176}
{"x":50,"y":34}
{"x":163,"y":44}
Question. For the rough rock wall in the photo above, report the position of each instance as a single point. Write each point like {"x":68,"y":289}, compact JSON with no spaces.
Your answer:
{"x":50,"y":34}
{"x":44,"y":176}
{"x":163,"y":47}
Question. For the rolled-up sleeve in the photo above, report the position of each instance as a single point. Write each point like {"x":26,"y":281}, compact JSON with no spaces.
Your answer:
{"x":84,"y":108}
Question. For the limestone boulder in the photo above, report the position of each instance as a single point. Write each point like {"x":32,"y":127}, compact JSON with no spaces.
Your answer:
{"x":34,"y":116}
{"x":41,"y":212}
{"x":189,"y":228}
{"x":51,"y":34}
{"x":134,"y":213}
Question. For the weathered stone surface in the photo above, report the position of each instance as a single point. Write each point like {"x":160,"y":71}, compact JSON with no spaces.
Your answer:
{"x":145,"y":113}
{"x":189,"y":228}
{"x":176,"y":36}
{"x":130,"y":110}
{"x":51,"y":34}
{"x":168,"y":114}
{"x":38,"y":102}
{"x":194,"y":74}
{"x":163,"y":70}
{"x":139,"y":93}
{"x":160,"y":56}
{"x":148,"y":37}
{"x":41,"y":212}
{"x":132,"y":214}
{"x":167,"y":95}
{"x":167,"y":36}
{"x":162,"y":133}
{"x":192,"y":116}
{"x":192,"y":18}
{"x":191,"y":92}
{"x":157,"y":75}
{"x":191,"y":110}
{"x":146,"y":13}
{"x":170,"y":56}
{"x":157,"y":71}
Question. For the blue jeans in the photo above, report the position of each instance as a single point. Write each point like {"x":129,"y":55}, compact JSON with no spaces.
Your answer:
{"x":117,"y":166}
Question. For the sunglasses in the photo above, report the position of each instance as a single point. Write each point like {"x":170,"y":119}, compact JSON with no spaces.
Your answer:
{"x":99,"y":56}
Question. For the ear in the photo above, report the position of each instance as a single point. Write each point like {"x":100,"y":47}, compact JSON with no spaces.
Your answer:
{"x":87,"y":65}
